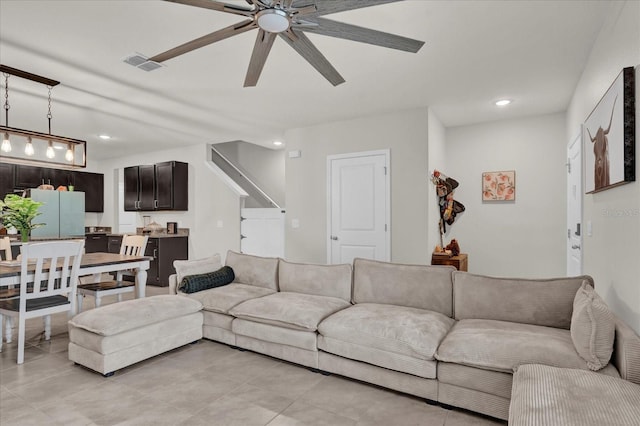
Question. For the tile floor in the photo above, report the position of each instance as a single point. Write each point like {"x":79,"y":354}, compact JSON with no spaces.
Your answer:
{"x":201,"y":384}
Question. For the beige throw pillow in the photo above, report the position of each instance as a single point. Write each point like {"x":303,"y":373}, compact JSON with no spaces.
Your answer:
{"x":592,"y":327}
{"x":196,"y":267}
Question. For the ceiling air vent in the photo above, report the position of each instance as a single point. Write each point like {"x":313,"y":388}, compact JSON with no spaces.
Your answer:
{"x":142,"y":62}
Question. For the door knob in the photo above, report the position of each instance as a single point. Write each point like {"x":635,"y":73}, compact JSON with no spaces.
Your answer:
{"x":575,"y":246}
{"x":334,"y":238}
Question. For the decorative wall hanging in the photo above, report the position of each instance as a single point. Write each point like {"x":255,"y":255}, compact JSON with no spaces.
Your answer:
{"x":609,"y":137}
{"x":449,"y":208}
{"x":499,"y":186}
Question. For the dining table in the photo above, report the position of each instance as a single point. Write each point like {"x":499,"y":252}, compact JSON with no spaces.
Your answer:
{"x":92,"y":264}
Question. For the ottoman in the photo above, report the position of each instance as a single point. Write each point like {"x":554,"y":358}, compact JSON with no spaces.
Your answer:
{"x":111,"y":337}
{"x":550,"y":396}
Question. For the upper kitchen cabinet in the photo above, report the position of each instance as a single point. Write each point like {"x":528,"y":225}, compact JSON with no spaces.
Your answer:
{"x":162,"y":186}
{"x":32,"y":176}
{"x":7,"y":171}
{"x":92,"y":184}
{"x":29,"y":177}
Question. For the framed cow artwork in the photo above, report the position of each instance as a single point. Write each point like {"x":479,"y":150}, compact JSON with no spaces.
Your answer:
{"x":609,"y":137}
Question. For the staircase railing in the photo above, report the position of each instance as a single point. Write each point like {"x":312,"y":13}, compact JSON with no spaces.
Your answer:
{"x":260,"y":197}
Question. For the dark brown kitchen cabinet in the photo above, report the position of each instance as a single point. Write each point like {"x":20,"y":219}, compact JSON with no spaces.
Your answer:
{"x":113,"y":244}
{"x":139,"y":188}
{"x":7,"y":177}
{"x":172,"y":186}
{"x":164,"y":251}
{"x":92,"y":184}
{"x":96,"y":243}
{"x":25,"y":177}
{"x":28,"y":177}
{"x":33,"y":176}
{"x":162,"y":186}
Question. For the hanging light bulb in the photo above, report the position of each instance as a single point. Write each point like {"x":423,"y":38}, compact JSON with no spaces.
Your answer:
{"x":50,"y":152}
{"x":6,"y":143}
{"x":28,"y":148}
{"x":69,"y":155}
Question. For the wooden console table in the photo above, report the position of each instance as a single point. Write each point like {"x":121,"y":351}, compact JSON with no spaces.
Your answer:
{"x":460,"y":262}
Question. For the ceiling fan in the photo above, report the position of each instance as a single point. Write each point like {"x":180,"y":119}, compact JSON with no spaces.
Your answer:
{"x":290,"y":19}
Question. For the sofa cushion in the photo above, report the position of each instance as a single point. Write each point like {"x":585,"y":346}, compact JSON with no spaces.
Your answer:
{"x":320,"y":280}
{"x":393,"y":337}
{"x":199,"y":282}
{"x":503,"y":346}
{"x":593,"y":328}
{"x":195,"y":267}
{"x":131,"y":314}
{"x":222,"y":299}
{"x":290,"y":310}
{"x":254,"y":270}
{"x":409,"y":331}
{"x":416,"y":286}
{"x":546,"y":396}
{"x":276,"y":334}
{"x":546,"y":302}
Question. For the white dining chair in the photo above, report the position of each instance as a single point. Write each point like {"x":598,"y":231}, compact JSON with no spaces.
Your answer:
{"x":134,"y":245}
{"x":5,"y":248}
{"x":44,"y":289}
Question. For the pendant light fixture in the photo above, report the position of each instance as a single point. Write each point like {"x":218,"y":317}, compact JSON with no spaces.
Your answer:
{"x":6,"y":143}
{"x":51,"y":153}
{"x":39,"y":147}
{"x":69,"y":155}
{"x":28,"y":148}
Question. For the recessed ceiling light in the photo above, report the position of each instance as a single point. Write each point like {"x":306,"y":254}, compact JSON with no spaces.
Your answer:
{"x":277,"y":143}
{"x":503,"y":102}
{"x":104,"y":137}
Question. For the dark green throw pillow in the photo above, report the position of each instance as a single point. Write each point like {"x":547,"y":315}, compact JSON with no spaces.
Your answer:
{"x":194,"y":283}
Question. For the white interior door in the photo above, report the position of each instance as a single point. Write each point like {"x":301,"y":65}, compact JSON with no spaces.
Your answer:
{"x":262,"y":232}
{"x":574,"y":207}
{"x":358,"y":207}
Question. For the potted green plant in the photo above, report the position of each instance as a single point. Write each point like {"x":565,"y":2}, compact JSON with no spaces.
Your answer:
{"x":19,"y":213}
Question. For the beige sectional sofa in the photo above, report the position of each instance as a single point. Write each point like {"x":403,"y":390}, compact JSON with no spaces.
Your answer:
{"x":430,"y":331}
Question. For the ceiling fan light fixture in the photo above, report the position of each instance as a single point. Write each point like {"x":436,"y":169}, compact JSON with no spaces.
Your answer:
{"x":273,"y":20}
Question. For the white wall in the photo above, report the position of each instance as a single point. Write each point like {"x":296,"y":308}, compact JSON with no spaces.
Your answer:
{"x":525,"y":237}
{"x":405,"y":134}
{"x":210,"y":201}
{"x":437,"y":161}
{"x":611,"y":254}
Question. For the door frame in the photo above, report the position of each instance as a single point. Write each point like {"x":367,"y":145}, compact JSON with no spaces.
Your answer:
{"x":576,"y":140}
{"x":387,"y":182}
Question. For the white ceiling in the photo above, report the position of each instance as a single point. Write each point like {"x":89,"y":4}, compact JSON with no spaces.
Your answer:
{"x":475,"y":53}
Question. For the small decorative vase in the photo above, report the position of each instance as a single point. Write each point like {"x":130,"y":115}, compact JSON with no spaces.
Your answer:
{"x":24,"y":235}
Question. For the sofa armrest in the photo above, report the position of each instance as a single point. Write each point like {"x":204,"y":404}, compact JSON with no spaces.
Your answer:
{"x":173,"y":284}
{"x":626,"y":352}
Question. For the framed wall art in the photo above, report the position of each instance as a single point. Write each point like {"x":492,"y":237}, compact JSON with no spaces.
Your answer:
{"x":609,"y":137}
{"x":499,"y":186}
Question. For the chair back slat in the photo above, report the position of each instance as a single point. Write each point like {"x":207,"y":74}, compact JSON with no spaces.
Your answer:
{"x":57,"y":264}
{"x":134,"y":245}
{"x":5,"y":246}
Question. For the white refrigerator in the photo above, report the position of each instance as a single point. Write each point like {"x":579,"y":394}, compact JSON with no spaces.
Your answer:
{"x":62,"y":212}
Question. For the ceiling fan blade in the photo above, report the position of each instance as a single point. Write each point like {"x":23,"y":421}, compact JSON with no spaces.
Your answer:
{"x":308,"y":51}
{"x":261,"y":50}
{"x":214,"y":5}
{"x":325,"y":7}
{"x":206,"y":40}
{"x":364,"y":35}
